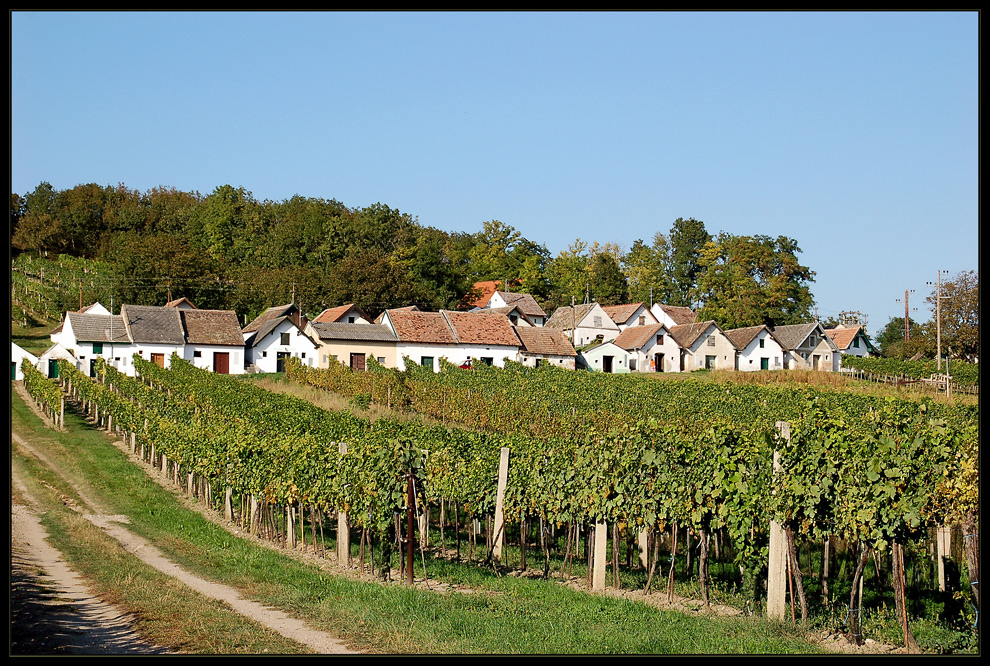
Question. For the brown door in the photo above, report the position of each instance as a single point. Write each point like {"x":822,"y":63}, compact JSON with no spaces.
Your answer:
{"x":221,"y":363}
{"x":158,"y":359}
{"x":357,"y":362}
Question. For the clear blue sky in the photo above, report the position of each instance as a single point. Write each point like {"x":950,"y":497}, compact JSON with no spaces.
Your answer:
{"x":854,"y":133}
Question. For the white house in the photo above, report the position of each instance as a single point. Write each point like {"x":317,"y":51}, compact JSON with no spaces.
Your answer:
{"x":277,"y":339}
{"x":482,"y":337}
{"x":17,"y":356}
{"x":756,"y":348}
{"x":584,"y":323}
{"x":343,"y":314}
{"x":807,"y":347}
{"x":704,"y":346}
{"x":525,"y":303}
{"x":630,"y":314}
{"x":88,"y":336}
{"x":851,"y":340}
{"x":545,"y":346}
{"x":213,"y":340}
{"x":673,"y":315}
{"x":423,"y":337}
{"x":606,"y":357}
{"x":48,"y":361}
{"x":651,"y":348}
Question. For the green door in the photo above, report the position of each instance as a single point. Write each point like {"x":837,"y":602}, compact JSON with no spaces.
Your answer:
{"x":52,"y":369}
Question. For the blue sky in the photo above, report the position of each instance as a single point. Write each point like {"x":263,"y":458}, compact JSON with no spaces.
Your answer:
{"x":854,"y":133}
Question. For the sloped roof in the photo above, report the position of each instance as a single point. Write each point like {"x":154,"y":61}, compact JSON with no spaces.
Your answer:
{"x":635,"y":337}
{"x":269,"y":314}
{"x":486,"y":289}
{"x":413,"y":325}
{"x":507,"y":310}
{"x":270,"y":325}
{"x":331,"y":315}
{"x":212,"y":327}
{"x":179,"y":302}
{"x":525,"y":302}
{"x":363,"y":332}
{"x":97,"y":327}
{"x":482,"y":327}
{"x":679,"y":314}
{"x":792,"y":335}
{"x":564,"y":319}
{"x":153,"y":325}
{"x":686,"y":335}
{"x":740,"y":337}
{"x":545,"y":341}
{"x":620,"y":314}
{"x":843,"y":337}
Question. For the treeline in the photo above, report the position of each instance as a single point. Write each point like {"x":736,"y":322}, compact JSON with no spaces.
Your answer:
{"x":228,"y":250}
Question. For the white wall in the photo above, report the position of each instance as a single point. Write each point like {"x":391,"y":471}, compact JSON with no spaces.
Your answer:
{"x":265,"y":353}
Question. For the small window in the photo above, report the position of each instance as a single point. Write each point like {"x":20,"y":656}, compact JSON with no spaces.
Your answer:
{"x":598,"y":322}
{"x":426,"y":362}
{"x":381,"y":359}
{"x":264,"y":354}
{"x":642,"y":320}
{"x":711,"y":340}
{"x":487,"y":360}
{"x":659,"y":339}
{"x":762,"y":343}
{"x":97,"y":347}
{"x":304,"y":355}
{"x":856,"y":343}
{"x":197,"y":354}
{"x":350,"y":320}
{"x":285,"y":338}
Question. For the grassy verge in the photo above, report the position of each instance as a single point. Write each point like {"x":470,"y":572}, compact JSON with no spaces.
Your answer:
{"x":501,"y":614}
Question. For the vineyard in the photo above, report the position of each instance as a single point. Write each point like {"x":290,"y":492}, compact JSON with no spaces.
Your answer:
{"x":682,"y":473}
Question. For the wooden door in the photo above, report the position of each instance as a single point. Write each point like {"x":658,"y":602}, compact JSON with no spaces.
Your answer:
{"x":158,"y":359}
{"x":357,"y":362}
{"x":221,"y":363}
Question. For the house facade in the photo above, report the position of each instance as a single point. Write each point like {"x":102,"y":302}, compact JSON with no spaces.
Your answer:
{"x":673,"y":315}
{"x":17,"y":356}
{"x":606,"y":357}
{"x":213,"y":340}
{"x":807,"y":347}
{"x":756,"y":348}
{"x":545,"y":346}
{"x":629,"y":315}
{"x":584,"y":324}
{"x":703,"y":346}
{"x":651,"y":348}
{"x":851,"y":340}
{"x":354,"y":344}
{"x":276,"y":340}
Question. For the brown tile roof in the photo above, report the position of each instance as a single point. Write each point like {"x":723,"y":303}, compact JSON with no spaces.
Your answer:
{"x":212,"y":327}
{"x":740,"y":337}
{"x":843,"y":337}
{"x":415,"y":326}
{"x":635,"y":337}
{"x":620,"y":314}
{"x":487,"y":289}
{"x":331,"y":315}
{"x":679,"y":314}
{"x":545,"y":341}
{"x":97,"y":327}
{"x":525,"y":302}
{"x":482,"y":328}
{"x":180,"y":301}
{"x":686,"y":335}
{"x":563,"y":318}
{"x":792,"y":335}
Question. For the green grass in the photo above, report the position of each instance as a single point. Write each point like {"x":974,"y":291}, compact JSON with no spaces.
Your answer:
{"x":502,"y":614}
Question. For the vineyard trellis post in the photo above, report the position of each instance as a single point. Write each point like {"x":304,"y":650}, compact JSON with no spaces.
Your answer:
{"x":503,"y":477}
{"x":943,"y":542}
{"x":599,"y":557}
{"x":343,"y":532}
{"x":777,"y":568}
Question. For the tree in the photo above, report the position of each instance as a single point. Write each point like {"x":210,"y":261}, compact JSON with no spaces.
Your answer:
{"x":687,"y":238}
{"x":500,"y":252}
{"x":751,"y":280}
{"x":646,"y":271}
{"x":606,"y":281}
{"x":891,"y":342}
{"x":960,"y":312}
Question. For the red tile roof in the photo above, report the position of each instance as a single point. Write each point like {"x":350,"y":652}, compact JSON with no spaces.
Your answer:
{"x":545,"y":341}
{"x":620,"y":314}
{"x":635,"y":337}
{"x":416,"y":326}
{"x":482,"y":328}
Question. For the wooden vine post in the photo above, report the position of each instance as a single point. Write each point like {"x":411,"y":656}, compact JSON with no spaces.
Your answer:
{"x":943,"y":541}
{"x":777,"y":569}
{"x":343,"y":531}
{"x":599,"y":558}
{"x":503,"y":479}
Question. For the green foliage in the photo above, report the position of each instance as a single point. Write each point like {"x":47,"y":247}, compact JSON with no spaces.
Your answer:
{"x":961,"y":372}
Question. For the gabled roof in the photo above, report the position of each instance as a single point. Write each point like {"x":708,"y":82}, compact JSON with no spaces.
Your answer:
{"x":97,"y":327}
{"x":269,"y":314}
{"x":741,"y":337}
{"x":525,"y":302}
{"x":507,"y":310}
{"x":565,"y":317}
{"x":686,"y":335}
{"x":332,"y":315}
{"x":792,"y":335}
{"x":635,"y":337}
{"x":270,"y":325}
{"x":545,"y":341}
{"x":413,"y":325}
{"x":620,"y":314}
{"x":362,"y":332}
{"x":679,"y":314}
{"x":150,"y":324}
{"x":211,"y":327}
{"x":486,"y":289}
{"x":481,"y":327}
{"x":843,"y":337}
{"x":179,"y":302}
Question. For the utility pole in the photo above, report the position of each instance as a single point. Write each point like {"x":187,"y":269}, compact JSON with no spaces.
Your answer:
{"x":938,"y":323}
{"x":907,"y":315}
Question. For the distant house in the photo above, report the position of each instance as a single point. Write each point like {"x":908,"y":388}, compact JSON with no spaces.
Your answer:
{"x":703,"y":345}
{"x":485,"y":337}
{"x":91,"y":335}
{"x":630,"y":314}
{"x":606,"y":357}
{"x":181,"y":303}
{"x":290,"y":310}
{"x":423,"y":337}
{"x":584,"y":324}
{"x":673,"y":315}
{"x":524,"y":303}
{"x":17,"y":356}
{"x":93,"y":308}
{"x":354,"y":344}
{"x":756,"y":348}
{"x":48,"y":361}
{"x":213,"y":340}
{"x":343,"y":314}
{"x":277,"y":337}
{"x":851,"y":340}
{"x":516,"y":317}
{"x":807,"y":347}
{"x":651,"y":348}
{"x":545,"y":346}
